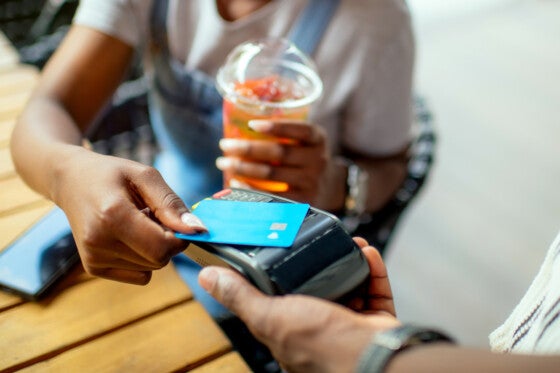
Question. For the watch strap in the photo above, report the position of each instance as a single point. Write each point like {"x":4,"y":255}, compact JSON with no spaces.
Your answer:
{"x":357,"y":181}
{"x":385,"y":345}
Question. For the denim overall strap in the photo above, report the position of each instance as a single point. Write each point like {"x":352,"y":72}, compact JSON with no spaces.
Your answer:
{"x":186,"y":115}
{"x":187,"y":85}
{"x":311,"y":24}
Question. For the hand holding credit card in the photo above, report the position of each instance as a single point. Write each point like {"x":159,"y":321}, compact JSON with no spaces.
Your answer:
{"x":248,"y":223}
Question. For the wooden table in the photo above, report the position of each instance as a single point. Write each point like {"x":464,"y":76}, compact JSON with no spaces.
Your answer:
{"x":93,"y":324}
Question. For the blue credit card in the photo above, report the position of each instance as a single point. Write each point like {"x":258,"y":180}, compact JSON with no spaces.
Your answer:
{"x":269,"y":224}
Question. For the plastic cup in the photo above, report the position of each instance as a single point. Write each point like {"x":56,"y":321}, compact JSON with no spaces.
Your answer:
{"x":265,"y":79}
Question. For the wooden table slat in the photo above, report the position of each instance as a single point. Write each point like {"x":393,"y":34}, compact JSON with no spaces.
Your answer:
{"x":15,"y":194}
{"x":6,"y":165}
{"x":230,"y":363}
{"x":8,"y":300}
{"x":6,"y":128}
{"x":9,"y":58}
{"x":13,"y":225}
{"x":184,"y":327}
{"x":20,"y":80}
{"x":11,"y":105}
{"x":82,"y":312}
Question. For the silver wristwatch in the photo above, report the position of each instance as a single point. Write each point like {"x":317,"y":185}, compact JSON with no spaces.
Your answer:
{"x":357,"y":183}
{"x":385,"y":345}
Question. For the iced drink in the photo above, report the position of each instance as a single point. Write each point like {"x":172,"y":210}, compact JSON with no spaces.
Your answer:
{"x":265,"y":79}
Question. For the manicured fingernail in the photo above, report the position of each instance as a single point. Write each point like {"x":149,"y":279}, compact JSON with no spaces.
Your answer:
{"x":228,"y":144}
{"x":234,"y":145}
{"x":260,"y":125}
{"x":193,"y":221}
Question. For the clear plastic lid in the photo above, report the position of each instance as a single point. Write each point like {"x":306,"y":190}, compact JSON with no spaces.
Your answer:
{"x":269,"y":72}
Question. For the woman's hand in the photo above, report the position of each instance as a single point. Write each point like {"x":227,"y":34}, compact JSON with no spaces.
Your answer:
{"x":123,"y":216}
{"x":121,"y":212}
{"x":300,"y":160}
{"x":307,"y":334}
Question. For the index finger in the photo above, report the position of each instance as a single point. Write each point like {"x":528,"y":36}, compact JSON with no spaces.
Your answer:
{"x":301,"y":131}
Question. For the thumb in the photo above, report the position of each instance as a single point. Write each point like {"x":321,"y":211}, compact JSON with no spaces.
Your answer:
{"x":166,"y":206}
{"x":233,"y":291}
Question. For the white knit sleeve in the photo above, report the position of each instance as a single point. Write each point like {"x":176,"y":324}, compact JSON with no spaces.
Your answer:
{"x":534,"y":325}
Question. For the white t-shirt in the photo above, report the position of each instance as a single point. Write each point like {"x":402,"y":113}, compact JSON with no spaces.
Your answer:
{"x":365,"y":58}
{"x":534,"y":325}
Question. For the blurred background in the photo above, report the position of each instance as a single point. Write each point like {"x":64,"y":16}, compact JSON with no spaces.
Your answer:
{"x":468,"y":247}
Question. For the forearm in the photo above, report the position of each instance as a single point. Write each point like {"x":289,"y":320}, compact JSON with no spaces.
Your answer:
{"x":443,"y":357}
{"x":76,"y":83}
{"x":44,"y":138}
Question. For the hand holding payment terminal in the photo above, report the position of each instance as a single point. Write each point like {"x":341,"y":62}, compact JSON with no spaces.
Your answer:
{"x":323,"y":260}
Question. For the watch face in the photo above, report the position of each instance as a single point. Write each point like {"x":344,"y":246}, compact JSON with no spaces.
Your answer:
{"x":387,"y":344}
{"x":356,"y":197}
